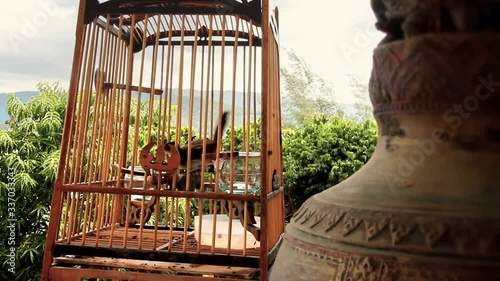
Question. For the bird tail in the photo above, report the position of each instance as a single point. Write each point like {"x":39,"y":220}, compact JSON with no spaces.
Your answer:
{"x":223,"y":123}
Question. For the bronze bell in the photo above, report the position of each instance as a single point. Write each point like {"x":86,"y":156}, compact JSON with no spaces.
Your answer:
{"x":427,"y":204}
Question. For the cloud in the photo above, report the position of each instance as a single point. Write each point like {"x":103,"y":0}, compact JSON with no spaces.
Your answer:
{"x":315,"y":29}
{"x":38,"y":44}
{"x":22,"y":64}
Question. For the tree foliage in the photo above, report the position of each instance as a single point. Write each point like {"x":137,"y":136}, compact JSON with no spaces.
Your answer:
{"x":305,"y":90}
{"x":29,"y":156}
{"x":363,"y":105}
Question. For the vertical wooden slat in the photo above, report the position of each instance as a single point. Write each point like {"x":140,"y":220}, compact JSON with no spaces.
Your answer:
{"x":151,"y":96}
{"x":180,"y":87}
{"x":265,"y":141}
{"x":169,"y":77}
{"x":219,"y":132}
{"x":81,"y":132}
{"x":103,"y":144}
{"x":117,"y":78}
{"x":233,"y":106}
{"x":275,"y":141}
{"x":190,"y":109}
{"x":55,"y":211}
{"x":254,"y":94}
{"x":179,"y":124}
{"x":281,"y":168}
{"x":138,"y":119}
{"x":86,"y":46}
{"x":82,"y":137}
{"x":246,"y":126}
{"x":126,"y":127}
{"x":113,"y":54}
{"x":187,"y":218}
{"x":210,"y":74}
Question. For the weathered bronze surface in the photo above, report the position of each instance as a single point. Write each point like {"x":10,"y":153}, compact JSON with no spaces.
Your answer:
{"x":407,"y":18}
{"x":427,"y":204}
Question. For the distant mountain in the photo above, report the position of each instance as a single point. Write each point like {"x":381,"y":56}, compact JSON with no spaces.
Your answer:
{"x":349,"y":109}
{"x":240,"y":102}
{"x":197,"y":98}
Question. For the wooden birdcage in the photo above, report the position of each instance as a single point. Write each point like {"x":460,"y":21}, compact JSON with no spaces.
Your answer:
{"x":171,"y":158}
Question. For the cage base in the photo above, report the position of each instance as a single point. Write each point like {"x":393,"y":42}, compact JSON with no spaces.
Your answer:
{"x":60,"y":273}
{"x":155,"y":267}
{"x":148,"y":239}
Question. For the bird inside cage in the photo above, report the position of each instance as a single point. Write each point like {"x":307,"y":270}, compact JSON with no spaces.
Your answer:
{"x":196,"y":160}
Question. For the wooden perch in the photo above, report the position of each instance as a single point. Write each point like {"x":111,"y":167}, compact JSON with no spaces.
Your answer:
{"x":109,"y":86}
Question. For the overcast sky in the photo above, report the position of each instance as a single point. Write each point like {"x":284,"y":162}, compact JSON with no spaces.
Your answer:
{"x":334,"y":37}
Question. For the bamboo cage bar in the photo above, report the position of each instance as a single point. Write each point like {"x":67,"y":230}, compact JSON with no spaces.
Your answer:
{"x":171,"y":150}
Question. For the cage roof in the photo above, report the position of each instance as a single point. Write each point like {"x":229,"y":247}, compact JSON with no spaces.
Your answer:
{"x":170,"y":20}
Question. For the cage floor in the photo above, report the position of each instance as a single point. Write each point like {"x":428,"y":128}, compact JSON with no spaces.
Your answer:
{"x":146,"y":240}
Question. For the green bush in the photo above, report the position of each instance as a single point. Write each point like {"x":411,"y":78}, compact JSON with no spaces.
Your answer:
{"x":324,"y":152}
